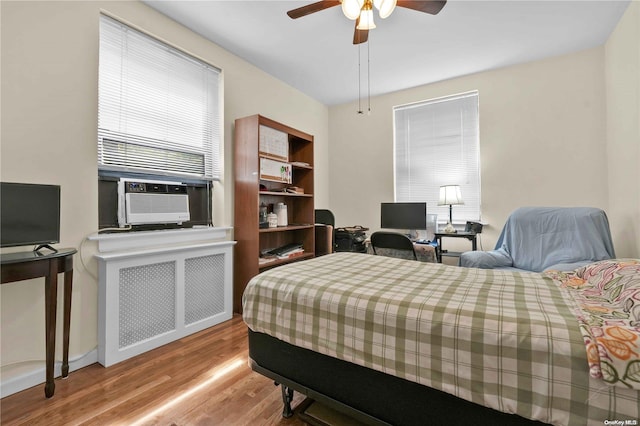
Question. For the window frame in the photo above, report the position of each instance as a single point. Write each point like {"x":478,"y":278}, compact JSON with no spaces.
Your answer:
{"x":212,"y":106}
{"x":469,"y":178}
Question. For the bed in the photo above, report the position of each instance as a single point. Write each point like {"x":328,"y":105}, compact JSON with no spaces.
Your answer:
{"x":392,"y":341}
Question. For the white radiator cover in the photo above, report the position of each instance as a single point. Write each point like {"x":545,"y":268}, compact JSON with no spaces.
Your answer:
{"x":148,"y":298}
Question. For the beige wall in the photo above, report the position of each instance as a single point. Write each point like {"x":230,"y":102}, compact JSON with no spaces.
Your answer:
{"x":49,"y":104}
{"x":622,"y":61}
{"x":542,"y":133}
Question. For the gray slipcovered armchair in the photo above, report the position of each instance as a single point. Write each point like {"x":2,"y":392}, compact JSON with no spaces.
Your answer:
{"x":542,"y":238}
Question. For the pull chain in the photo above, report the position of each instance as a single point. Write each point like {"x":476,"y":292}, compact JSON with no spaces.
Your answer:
{"x":359,"y":82}
{"x":368,"y":80}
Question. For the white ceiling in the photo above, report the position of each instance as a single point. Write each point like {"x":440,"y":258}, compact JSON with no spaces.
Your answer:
{"x":315,"y":53}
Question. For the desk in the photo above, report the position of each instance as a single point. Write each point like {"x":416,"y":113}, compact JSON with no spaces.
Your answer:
{"x":27,"y":265}
{"x":471,"y":236}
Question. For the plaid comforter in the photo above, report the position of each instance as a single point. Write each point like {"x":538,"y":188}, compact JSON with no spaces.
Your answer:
{"x":503,"y":339}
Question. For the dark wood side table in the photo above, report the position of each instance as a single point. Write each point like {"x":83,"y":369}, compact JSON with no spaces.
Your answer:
{"x":471,"y":236}
{"x":27,"y":265}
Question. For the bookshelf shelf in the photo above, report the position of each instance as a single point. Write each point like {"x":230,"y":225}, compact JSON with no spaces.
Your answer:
{"x":270,"y":263}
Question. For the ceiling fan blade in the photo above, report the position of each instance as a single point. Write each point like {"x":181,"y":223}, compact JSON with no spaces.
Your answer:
{"x":312,"y":8}
{"x":427,"y":6}
{"x":360,"y":36}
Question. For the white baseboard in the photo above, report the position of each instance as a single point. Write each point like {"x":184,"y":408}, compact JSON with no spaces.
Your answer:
{"x":37,"y":376}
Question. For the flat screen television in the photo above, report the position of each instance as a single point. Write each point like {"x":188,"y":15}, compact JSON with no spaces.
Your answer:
{"x":410,"y":216}
{"x":29,"y":215}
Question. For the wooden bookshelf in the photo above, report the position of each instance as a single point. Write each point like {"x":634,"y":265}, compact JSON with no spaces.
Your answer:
{"x":251,"y":239}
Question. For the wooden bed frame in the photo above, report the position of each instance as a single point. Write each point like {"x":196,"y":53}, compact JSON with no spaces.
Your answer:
{"x":366,"y":395}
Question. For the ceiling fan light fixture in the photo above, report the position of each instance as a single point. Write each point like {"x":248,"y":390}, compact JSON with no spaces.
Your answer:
{"x":366,"y":20}
{"x":351,"y":8}
{"x":385,"y":7}
{"x":366,"y":17}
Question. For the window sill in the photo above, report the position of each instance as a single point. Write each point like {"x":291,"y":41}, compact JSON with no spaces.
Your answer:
{"x":169,"y":237}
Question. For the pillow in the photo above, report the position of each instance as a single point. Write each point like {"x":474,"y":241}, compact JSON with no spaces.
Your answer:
{"x":616,"y":281}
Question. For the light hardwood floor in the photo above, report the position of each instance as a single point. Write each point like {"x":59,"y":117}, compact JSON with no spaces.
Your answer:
{"x":202,"y":379}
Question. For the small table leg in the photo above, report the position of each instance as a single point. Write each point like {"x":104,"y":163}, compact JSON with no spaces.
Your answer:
{"x":50,"y":301}
{"x":68,"y":280}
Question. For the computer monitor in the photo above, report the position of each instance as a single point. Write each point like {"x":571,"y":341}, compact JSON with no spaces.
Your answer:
{"x":29,"y":215}
{"x":410,"y":216}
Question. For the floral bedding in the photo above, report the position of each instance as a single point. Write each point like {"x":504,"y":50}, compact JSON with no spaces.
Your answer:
{"x":607,"y":304}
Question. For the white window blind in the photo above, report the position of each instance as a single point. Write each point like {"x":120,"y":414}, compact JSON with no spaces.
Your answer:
{"x":436,"y":143}
{"x":159,"y":108}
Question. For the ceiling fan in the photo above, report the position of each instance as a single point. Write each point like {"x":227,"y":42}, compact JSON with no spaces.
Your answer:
{"x":362,"y":11}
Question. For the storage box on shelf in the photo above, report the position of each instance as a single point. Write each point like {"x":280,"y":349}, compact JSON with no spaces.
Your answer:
{"x":273,"y":164}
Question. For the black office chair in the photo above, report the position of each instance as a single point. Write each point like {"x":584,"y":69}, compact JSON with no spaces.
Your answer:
{"x":325,"y":244}
{"x":325,"y":217}
{"x":392,"y":245}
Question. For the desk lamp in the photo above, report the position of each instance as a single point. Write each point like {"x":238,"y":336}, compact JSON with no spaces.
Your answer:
{"x":450,"y":194}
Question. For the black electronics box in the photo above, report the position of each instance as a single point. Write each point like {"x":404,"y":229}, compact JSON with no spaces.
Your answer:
{"x":475,"y":227}
{"x":351,"y":239}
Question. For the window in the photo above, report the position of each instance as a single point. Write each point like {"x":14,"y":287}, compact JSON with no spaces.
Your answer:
{"x":159,"y":108}
{"x":436,"y":142}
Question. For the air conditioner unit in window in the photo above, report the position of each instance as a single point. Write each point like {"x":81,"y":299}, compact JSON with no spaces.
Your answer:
{"x":143,"y":202}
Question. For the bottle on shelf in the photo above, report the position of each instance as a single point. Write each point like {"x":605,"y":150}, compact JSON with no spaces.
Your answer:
{"x":262,"y":215}
{"x":281,"y":211}
{"x":272,"y":218}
